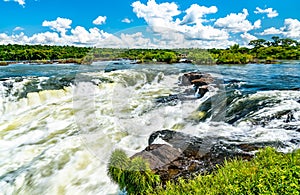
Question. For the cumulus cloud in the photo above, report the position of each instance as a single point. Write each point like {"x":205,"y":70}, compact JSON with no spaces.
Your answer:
{"x":18,"y":28}
{"x":246,"y":37}
{"x":152,"y":11}
{"x":126,"y":20}
{"x":269,"y":11}
{"x":39,"y":38}
{"x":290,"y":29}
{"x":160,"y":17}
{"x":195,"y":13}
{"x":100,"y":20}
{"x":271,"y":31}
{"x":59,"y":25}
{"x":87,"y":37}
{"x":79,"y":36}
{"x":20,"y":2}
{"x":237,"y":22}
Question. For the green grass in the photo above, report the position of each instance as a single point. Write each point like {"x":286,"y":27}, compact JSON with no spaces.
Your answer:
{"x":270,"y":172}
{"x":134,"y":175}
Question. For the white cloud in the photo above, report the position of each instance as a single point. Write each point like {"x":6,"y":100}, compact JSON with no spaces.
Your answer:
{"x":195,"y":13}
{"x":79,"y":37}
{"x":39,"y":38}
{"x":59,"y":25}
{"x":100,"y":20}
{"x":161,"y":19}
{"x":237,"y":22}
{"x":18,"y":28}
{"x":126,"y":20}
{"x":269,"y":11}
{"x":152,"y":11}
{"x":88,"y":37}
{"x":200,"y":32}
{"x":291,"y":29}
{"x":271,"y":31}
{"x":257,"y":24}
{"x":20,"y":2}
{"x":246,"y":37}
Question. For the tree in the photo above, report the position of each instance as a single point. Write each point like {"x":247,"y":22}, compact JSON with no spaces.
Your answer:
{"x":258,"y":43}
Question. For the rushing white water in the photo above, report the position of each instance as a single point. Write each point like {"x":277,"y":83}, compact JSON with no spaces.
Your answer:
{"x":58,"y":141}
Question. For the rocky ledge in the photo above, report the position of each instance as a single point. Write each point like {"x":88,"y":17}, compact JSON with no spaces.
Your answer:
{"x":173,"y":154}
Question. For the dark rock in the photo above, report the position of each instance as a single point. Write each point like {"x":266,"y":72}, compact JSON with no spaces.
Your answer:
{"x":158,"y":155}
{"x":202,"y":81}
{"x":186,"y":155}
{"x":200,"y":84}
{"x":290,"y":118}
{"x":202,"y":91}
{"x":167,"y":98}
{"x":186,"y":79}
{"x":195,"y":78}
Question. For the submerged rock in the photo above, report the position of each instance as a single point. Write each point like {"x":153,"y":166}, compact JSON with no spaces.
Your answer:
{"x":184,"y":155}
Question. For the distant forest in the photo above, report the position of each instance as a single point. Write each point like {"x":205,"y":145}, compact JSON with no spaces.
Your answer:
{"x":262,"y":51}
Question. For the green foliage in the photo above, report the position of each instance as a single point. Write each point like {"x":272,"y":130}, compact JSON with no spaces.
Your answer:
{"x":262,"y":51}
{"x":134,"y":175}
{"x":270,"y":172}
{"x":40,"y":52}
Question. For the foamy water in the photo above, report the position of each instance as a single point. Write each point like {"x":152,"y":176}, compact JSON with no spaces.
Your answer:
{"x":58,"y":141}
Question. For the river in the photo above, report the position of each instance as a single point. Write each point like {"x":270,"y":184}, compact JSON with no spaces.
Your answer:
{"x":60,"y":123}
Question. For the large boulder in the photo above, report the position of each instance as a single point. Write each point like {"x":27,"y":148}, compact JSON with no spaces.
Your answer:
{"x":183,"y":155}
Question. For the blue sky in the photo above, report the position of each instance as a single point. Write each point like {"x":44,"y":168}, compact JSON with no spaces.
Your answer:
{"x":118,"y":23}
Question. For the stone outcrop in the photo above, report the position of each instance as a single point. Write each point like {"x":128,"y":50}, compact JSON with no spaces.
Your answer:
{"x":184,"y":155}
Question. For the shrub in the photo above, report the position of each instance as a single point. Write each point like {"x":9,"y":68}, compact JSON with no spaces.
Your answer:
{"x":134,"y":175}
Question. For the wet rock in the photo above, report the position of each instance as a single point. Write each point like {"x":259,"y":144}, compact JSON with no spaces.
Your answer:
{"x":201,"y":91}
{"x":166,"y":99}
{"x":290,"y":117}
{"x":202,"y":81}
{"x":199,"y":81}
{"x":193,"y":78}
{"x":200,"y":87}
{"x":184,"y":155}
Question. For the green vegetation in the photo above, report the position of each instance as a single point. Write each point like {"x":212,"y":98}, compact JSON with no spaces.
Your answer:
{"x":134,"y":175}
{"x":263,"y":51}
{"x":270,"y":172}
{"x":41,"y":52}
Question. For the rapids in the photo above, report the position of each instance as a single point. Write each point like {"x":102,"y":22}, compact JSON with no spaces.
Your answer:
{"x":60,"y":123}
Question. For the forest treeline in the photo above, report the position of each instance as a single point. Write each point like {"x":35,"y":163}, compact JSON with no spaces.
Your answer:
{"x":263,"y":51}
